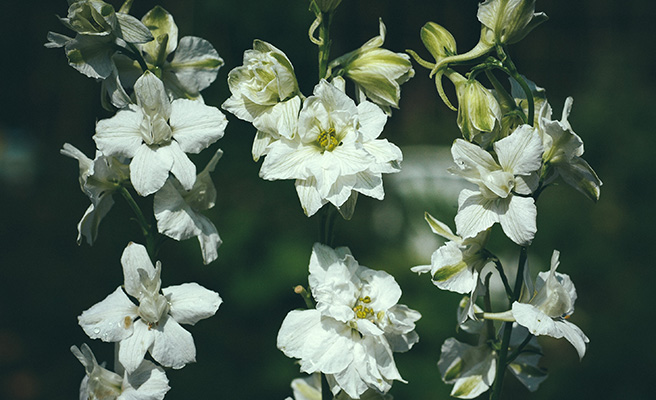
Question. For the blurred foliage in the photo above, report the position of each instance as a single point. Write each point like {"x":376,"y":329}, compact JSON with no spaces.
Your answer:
{"x":596,"y":51}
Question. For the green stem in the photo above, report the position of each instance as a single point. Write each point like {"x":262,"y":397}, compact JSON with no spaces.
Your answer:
{"x":324,"y":47}
{"x":507,"y":62}
{"x":146,"y":228}
{"x":489,"y":324}
{"x":519,"y":349}
{"x":135,"y":54}
{"x":504,"y":278}
{"x":327,"y":225}
{"x":507,"y":328}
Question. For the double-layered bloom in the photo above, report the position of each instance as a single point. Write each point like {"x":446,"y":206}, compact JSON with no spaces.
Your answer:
{"x":99,"y":178}
{"x":335,"y":152}
{"x":157,"y":133}
{"x":504,"y":185}
{"x":355,"y":328}
{"x":178,"y":211}
{"x":265,"y":92}
{"x":153,"y":324}
{"x":147,"y":382}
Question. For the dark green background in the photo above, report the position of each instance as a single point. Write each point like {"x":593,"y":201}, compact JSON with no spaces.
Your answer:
{"x":600,"y":52}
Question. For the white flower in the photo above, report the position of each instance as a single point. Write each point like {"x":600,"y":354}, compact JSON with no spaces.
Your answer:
{"x":99,"y":178}
{"x":178,"y":211}
{"x":471,"y":369}
{"x":504,"y":186}
{"x":156,"y":134}
{"x":265,"y":92}
{"x":147,"y":382}
{"x":563,"y":151}
{"x":335,"y":152}
{"x":154,"y":324}
{"x":356,"y":326}
{"x":548,"y":307}
{"x":455,"y":266}
{"x":309,"y":388}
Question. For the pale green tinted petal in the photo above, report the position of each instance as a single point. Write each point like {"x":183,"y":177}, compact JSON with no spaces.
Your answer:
{"x":440,"y":228}
{"x":195,"y":125}
{"x":191,"y":302}
{"x":580,"y":175}
{"x":173,"y":345}
{"x":242,"y":108}
{"x":439,"y":41}
{"x":369,"y":185}
{"x":537,"y":322}
{"x":451,"y":272}
{"x":56,"y":40}
{"x":195,"y":64}
{"x":471,"y":369}
{"x":111,"y":319}
{"x":88,"y":225}
{"x":150,"y":168}
{"x":574,"y":335}
{"x":112,"y":92}
{"x":151,"y":96}
{"x":517,"y":216}
{"x":388,"y":156}
{"x":91,"y":55}
{"x":134,"y":258}
{"x":160,"y":23}
{"x":521,"y":152}
{"x":132,"y":30}
{"x":260,"y":144}
{"x":475,"y":213}
{"x":132,"y":350}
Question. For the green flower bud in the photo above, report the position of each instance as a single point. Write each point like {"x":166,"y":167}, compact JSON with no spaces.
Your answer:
{"x":479,"y":113}
{"x":377,"y":72}
{"x":91,"y":17}
{"x":508,"y":21}
{"x":439,"y":42}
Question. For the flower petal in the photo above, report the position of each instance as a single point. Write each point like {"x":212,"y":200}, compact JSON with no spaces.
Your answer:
{"x":191,"y":302}
{"x":195,"y":125}
{"x":134,"y":258}
{"x":111,"y":319}
{"x":173,"y":346}
{"x":150,"y":168}
{"x":132,"y":350}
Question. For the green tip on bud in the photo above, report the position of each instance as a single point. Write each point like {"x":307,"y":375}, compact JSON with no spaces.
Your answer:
{"x":439,"y":41}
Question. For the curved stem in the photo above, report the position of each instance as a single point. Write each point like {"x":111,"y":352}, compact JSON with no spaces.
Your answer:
{"x":146,"y":228}
{"x":324,"y":47}
{"x":507,"y":328}
{"x":504,"y":278}
{"x":507,"y":62}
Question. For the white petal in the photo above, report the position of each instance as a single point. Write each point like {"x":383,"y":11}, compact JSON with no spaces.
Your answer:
{"x":148,"y":382}
{"x":111,"y":319}
{"x":475,"y":213}
{"x":260,"y":144}
{"x":195,"y":64}
{"x":574,"y":335}
{"x":309,"y":196}
{"x":134,"y":258}
{"x":519,"y":219}
{"x":173,"y":214}
{"x":372,"y":120}
{"x":182,"y":167}
{"x":191,"y":302}
{"x":121,"y":134}
{"x":387,"y":155}
{"x":469,"y":156}
{"x":288,"y":160}
{"x":88,"y":225}
{"x":537,"y":322}
{"x":132,"y":350}
{"x":151,"y":96}
{"x":195,"y":125}
{"x":173,"y":345}
{"x":369,"y":184}
{"x":521,"y":152}
{"x":150,"y":168}
{"x":208,"y":238}
{"x":281,"y":119}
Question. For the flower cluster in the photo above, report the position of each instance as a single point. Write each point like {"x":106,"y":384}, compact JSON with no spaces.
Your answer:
{"x":511,"y":150}
{"x":356,"y":326}
{"x":153,"y":80}
{"x":326,"y":142}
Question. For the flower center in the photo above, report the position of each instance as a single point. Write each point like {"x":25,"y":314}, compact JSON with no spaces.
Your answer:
{"x":362,"y":311}
{"x":328,"y":140}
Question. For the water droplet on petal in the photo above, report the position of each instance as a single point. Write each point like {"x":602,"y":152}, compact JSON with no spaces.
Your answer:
{"x":96,"y":331}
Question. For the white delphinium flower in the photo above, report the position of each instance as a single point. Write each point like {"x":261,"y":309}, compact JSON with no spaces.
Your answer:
{"x":455,"y":266}
{"x":156,"y":134}
{"x":563,"y":150}
{"x":185,"y":67}
{"x":309,"y":388}
{"x":99,"y":178}
{"x":546,"y":309}
{"x":178,"y":211}
{"x":471,"y":369}
{"x":335,"y":152}
{"x":504,"y":186}
{"x":265,"y":92}
{"x":147,"y":382}
{"x":355,"y":328}
{"x":154,"y":324}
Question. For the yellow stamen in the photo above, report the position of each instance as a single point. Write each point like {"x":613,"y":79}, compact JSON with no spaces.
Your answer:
{"x":327,"y":140}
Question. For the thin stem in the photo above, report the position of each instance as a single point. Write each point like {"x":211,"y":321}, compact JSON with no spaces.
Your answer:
{"x":327,"y":225}
{"x":519,"y":349}
{"x":489,"y":324}
{"x":146,"y":228}
{"x":135,"y":54}
{"x":507,"y":62}
{"x":507,"y":328}
{"x":504,"y":278}
{"x":324,"y":47}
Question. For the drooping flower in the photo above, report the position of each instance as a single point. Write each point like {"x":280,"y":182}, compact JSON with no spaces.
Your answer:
{"x":455,"y":266}
{"x":546,"y":309}
{"x":265,"y":92}
{"x":355,"y":328}
{"x":99,"y":178}
{"x":146,"y":382}
{"x":156,"y":133}
{"x":508,"y":21}
{"x":504,"y":185}
{"x":378,"y":73}
{"x":153,"y":324}
{"x":336,"y":150}
{"x":178,"y":211}
{"x":479,"y":112}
